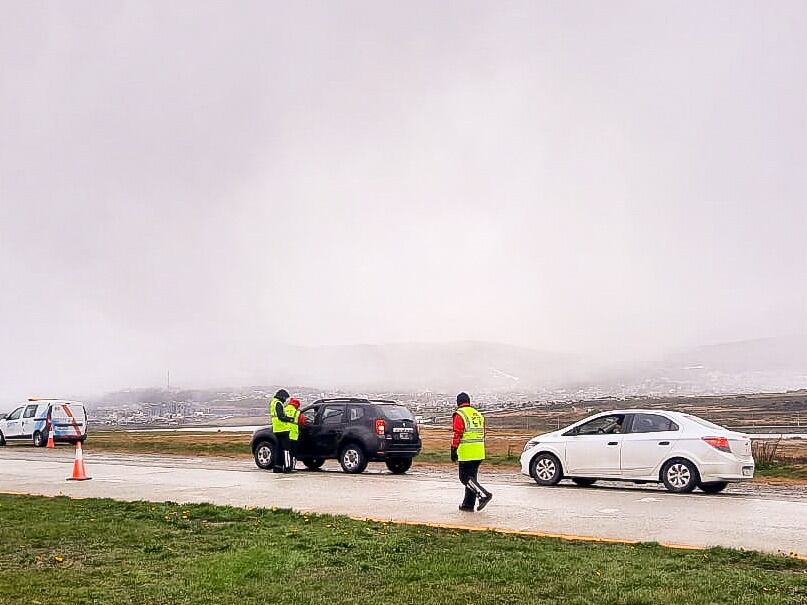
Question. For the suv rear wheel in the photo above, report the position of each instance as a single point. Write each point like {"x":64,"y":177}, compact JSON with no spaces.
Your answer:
{"x":39,"y":439}
{"x":714,"y":487}
{"x":264,"y":454}
{"x":399,"y":465}
{"x":353,"y":459}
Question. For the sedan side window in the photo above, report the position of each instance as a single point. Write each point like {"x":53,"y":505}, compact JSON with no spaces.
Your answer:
{"x":604,"y":425}
{"x":333,"y":415}
{"x":15,"y":414}
{"x":652,"y":423}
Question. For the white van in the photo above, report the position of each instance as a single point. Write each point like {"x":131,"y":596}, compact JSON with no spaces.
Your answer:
{"x":33,"y":421}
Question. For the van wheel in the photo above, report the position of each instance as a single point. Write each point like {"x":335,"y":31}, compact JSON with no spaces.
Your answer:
{"x":313,"y":464}
{"x":353,"y":459}
{"x":264,"y":454}
{"x":399,"y":466}
{"x":713,"y":487}
{"x":583,"y":481}
{"x":680,"y":476}
{"x":545,"y":469}
{"x":39,"y":439}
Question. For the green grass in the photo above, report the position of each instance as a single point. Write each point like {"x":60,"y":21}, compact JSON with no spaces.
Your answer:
{"x":106,"y":552}
{"x":444,"y":457}
{"x":782,"y":470}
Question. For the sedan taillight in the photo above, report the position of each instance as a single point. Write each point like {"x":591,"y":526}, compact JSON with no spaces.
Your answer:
{"x":380,"y":427}
{"x":719,"y":443}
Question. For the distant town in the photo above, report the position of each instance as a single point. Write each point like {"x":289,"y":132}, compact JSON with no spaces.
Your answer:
{"x":198,"y":407}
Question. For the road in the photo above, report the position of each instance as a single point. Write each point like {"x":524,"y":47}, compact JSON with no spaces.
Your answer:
{"x":769,"y":520}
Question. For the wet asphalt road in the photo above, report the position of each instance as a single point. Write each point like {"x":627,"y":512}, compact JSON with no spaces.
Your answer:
{"x":749,"y":516}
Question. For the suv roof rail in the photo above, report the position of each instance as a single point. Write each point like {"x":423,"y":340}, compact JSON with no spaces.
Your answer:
{"x":382,"y":401}
{"x":343,"y":400}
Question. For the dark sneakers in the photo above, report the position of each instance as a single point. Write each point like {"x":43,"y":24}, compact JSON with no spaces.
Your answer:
{"x":484,"y":501}
{"x":466,"y":509}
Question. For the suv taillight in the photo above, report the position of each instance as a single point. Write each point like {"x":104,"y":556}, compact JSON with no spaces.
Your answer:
{"x":719,"y":443}
{"x":380,"y":427}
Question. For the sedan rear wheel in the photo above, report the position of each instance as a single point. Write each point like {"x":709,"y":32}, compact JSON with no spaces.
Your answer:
{"x":680,"y":476}
{"x":545,"y":469}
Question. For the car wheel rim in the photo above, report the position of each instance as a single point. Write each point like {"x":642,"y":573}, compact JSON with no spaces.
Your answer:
{"x":264,"y":455}
{"x":351,"y":459}
{"x":678,"y":475}
{"x":545,"y":469}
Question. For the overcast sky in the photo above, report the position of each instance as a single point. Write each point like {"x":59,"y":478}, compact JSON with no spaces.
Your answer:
{"x":182,"y":178}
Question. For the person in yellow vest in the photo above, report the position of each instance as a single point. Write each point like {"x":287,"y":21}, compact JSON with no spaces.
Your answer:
{"x":292,"y":410}
{"x":468,"y":449}
{"x":281,"y":425}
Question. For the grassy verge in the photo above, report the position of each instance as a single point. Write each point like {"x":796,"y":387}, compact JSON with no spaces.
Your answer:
{"x":102,"y":551}
{"x":174,"y":443}
{"x":782,"y":470}
{"x":438,"y":457}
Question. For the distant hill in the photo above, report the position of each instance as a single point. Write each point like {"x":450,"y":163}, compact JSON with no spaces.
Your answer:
{"x":761,"y":365}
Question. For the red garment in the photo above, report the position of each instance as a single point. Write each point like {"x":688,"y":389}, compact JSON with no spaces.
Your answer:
{"x":459,"y":427}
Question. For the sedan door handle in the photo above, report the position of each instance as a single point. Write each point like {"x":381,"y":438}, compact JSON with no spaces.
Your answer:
{"x":613,"y":443}
{"x":664,"y":443}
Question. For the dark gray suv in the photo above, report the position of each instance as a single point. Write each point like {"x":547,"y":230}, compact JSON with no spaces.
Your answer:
{"x":352,"y":430}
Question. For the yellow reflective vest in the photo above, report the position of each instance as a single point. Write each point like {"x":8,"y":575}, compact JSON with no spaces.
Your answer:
{"x":472,"y":443}
{"x":278,"y":425}
{"x":293,"y":413}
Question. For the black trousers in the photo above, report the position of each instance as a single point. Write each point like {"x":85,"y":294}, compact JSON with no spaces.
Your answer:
{"x":468,"y":477}
{"x":283,"y":454}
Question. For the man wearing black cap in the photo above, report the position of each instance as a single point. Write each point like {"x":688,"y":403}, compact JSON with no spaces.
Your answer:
{"x":468,"y":448}
{"x":281,"y":425}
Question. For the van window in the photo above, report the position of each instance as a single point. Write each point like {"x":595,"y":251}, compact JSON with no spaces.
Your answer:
{"x":30,"y":411}
{"x":68,"y":412}
{"x":15,"y":414}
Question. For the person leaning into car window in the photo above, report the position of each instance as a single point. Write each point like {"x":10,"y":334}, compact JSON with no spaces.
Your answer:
{"x":292,"y":410}
{"x":468,"y":448}
{"x":281,"y":425}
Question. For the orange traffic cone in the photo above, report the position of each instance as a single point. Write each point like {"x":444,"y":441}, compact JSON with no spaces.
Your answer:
{"x":51,"y":444}
{"x":79,"y":474}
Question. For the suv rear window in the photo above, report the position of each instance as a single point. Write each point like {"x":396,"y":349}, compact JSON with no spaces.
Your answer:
{"x":396,"y":412}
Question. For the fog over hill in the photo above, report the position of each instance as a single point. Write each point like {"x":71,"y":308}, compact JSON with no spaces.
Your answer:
{"x":771,"y":364}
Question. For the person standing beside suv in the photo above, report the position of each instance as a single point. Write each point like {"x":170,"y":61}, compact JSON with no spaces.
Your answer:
{"x":292,"y":410}
{"x":281,"y":426}
{"x":468,"y":449}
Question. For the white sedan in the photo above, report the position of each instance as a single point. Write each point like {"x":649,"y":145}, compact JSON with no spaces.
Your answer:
{"x":644,"y":446}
